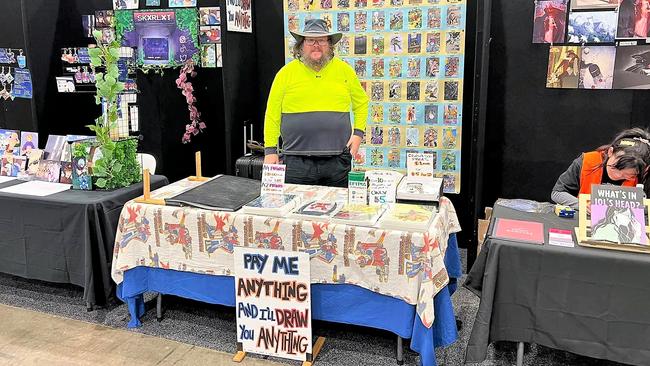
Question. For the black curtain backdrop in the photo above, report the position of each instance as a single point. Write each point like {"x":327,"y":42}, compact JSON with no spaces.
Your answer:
{"x":17,"y":114}
{"x":533,"y":133}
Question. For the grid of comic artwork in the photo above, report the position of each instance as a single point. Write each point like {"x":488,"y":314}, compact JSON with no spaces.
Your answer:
{"x":595,"y":44}
{"x":409,"y":56}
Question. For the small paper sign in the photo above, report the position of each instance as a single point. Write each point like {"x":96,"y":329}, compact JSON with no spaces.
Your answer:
{"x":273,"y":178}
{"x":419,"y":167}
{"x":273,"y":302}
{"x":240,"y":17}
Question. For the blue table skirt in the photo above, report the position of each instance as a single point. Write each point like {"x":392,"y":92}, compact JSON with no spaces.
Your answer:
{"x":347,"y":304}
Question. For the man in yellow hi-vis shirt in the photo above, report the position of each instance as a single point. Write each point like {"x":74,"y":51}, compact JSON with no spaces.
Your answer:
{"x":309,"y":106}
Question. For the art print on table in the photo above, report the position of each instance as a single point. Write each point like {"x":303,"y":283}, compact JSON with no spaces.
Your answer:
{"x":81,"y":179}
{"x":617,"y":214}
{"x":9,"y":142}
{"x":29,"y":141}
{"x":592,"y":27}
{"x":66,"y":173}
{"x":12,"y":165}
{"x":597,"y":67}
{"x":549,"y":21}
{"x":632,"y":67}
{"x":49,"y":171}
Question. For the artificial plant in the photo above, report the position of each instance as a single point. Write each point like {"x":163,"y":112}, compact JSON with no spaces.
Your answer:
{"x":196,"y":125}
{"x":117,"y":165}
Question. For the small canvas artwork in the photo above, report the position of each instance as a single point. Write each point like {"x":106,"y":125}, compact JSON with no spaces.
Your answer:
{"x":29,"y":141}
{"x":81,"y":179}
{"x":49,"y":171}
{"x":210,"y":16}
{"x":209,"y":34}
{"x":617,"y":215}
{"x":33,"y":160}
{"x":9,"y":142}
{"x":12,"y":165}
{"x":597,"y":67}
{"x":563,"y":67}
{"x":632,"y":67}
{"x":549,"y":21}
{"x":633,"y":19}
{"x":592,"y":27}
{"x":66,"y":173}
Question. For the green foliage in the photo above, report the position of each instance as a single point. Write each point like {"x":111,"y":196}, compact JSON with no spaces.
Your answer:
{"x":118,"y":165}
{"x":123,"y":23}
{"x":188,"y":19}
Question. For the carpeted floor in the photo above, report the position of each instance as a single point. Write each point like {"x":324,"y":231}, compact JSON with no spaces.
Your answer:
{"x":214,"y":327}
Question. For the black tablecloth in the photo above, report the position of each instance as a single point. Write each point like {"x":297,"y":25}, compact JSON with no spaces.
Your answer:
{"x":588,"y":301}
{"x":66,"y":237}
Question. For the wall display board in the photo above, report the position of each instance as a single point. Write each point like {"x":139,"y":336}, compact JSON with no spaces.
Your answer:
{"x":605,"y":45}
{"x":409,"y":56}
{"x":15,"y":78}
{"x":166,"y":37}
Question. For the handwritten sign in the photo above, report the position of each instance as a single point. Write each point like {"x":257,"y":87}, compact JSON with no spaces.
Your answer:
{"x":419,"y":167}
{"x":273,"y":302}
{"x":239,"y":14}
{"x":383,"y":186}
{"x":273,"y":178}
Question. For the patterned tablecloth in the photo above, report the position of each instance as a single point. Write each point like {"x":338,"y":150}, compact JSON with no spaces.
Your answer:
{"x":405,"y":265}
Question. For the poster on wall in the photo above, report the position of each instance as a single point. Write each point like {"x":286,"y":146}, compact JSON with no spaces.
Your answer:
{"x":594,"y":4}
{"x":125,"y":4}
{"x":592,"y":27}
{"x":597,"y":67}
{"x":162,"y":37}
{"x":273,"y":302}
{"x":563,"y":67}
{"x":549,"y":21}
{"x":632,"y":68}
{"x":410,"y":59}
{"x":239,"y":16}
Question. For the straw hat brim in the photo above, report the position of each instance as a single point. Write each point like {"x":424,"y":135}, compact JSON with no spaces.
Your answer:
{"x":335,"y":36}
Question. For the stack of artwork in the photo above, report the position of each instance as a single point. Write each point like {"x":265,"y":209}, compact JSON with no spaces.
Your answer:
{"x":601,"y":46}
{"x":409,"y":56}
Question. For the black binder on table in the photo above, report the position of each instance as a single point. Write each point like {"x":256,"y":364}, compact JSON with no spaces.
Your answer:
{"x":223,"y":193}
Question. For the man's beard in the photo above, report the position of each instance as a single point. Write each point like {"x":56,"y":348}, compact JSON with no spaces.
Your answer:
{"x":316,"y":64}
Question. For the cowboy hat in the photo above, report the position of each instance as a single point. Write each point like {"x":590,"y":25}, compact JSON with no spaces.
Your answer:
{"x":316,"y":28}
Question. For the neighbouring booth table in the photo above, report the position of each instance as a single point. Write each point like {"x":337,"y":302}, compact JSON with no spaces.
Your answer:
{"x":66,"y":237}
{"x":588,"y":301}
{"x":387,"y":279}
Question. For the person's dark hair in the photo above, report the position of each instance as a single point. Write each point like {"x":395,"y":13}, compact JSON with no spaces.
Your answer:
{"x":297,"y":48}
{"x":634,"y":144}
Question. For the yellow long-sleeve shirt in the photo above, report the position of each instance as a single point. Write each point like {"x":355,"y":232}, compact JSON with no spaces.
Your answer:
{"x":311,"y":110}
